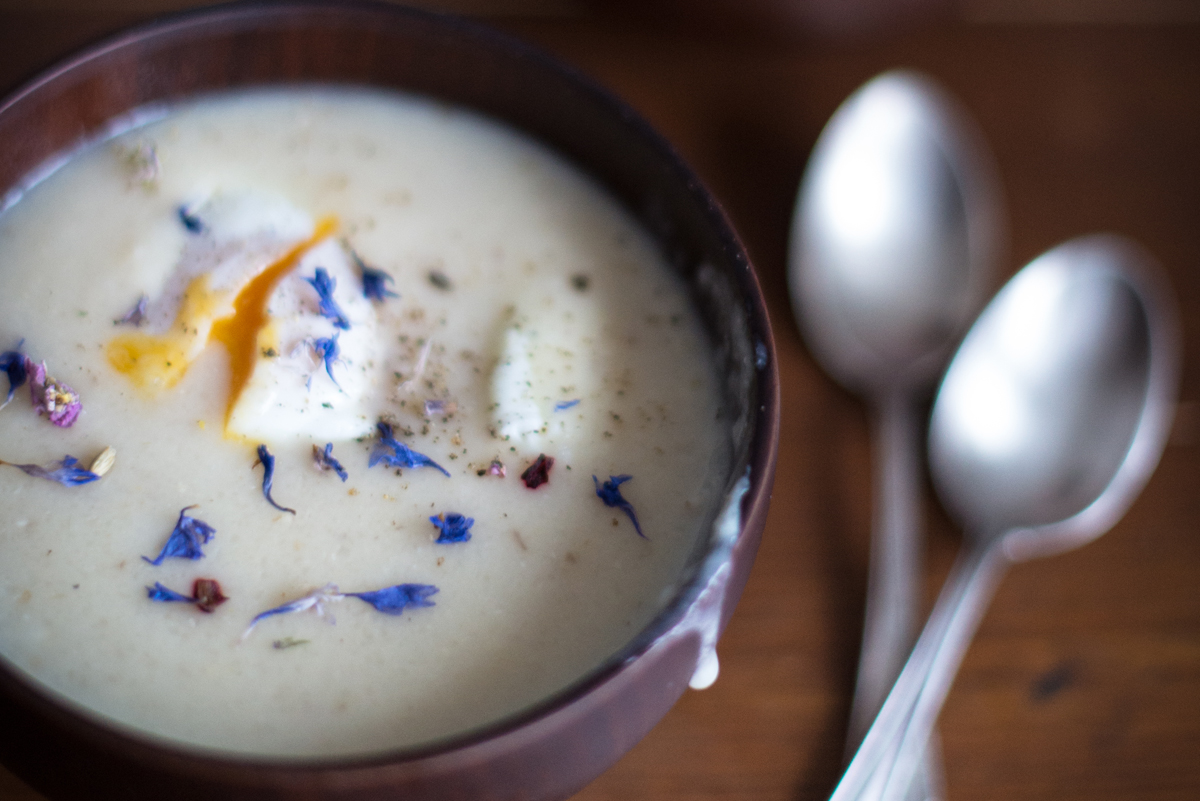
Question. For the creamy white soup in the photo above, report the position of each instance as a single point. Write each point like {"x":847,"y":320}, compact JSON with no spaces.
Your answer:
{"x":250,"y":285}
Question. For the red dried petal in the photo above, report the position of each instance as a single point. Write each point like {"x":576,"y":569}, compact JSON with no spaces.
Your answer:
{"x":538,"y":473}
{"x":207,"y":593}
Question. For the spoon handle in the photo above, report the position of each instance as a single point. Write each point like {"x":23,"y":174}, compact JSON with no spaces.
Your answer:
{"x":891,"y":606}
{"x":893,"y":595}
{"x":984,"y":565}
{"x":892,"y":749}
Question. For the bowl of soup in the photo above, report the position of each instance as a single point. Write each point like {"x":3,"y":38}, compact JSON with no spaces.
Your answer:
{"x":389,"y":412}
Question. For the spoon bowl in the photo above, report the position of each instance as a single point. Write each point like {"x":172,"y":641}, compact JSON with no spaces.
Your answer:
{"x":896,"y":234}
{"x":1054,"y":411}
{"x":1048,"y":423}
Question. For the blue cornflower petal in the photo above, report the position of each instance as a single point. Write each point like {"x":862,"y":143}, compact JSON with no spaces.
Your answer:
{"x":401,"y":455}
{"x":314,"y":600}
{"x":288,"y":608}
{"x":453,"y":527}
{"x":66,"y":472}
{"x":394,"y":600}
{"x":327,"y":350}
{"x":610,"y":493}
{"x":186,"y":538}
{"x":325,"y":285}
{"x":562,"y":406}
{"x":268,"y":463}
{"x":373,"y":281}
{"x":135,"y":316}
{"x":12,"y":362}
{"x":325,"y":461}
{"x":166,"y":595}
{"x":190,"y":221}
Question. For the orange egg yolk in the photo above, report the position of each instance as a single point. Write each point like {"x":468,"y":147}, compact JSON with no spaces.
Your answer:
{"x":158,"y":361}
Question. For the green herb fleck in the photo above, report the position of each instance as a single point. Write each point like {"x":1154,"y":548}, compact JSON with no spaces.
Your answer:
{"x":287,"y":642}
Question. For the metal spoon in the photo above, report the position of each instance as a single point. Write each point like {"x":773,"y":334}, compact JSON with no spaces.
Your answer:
{"x":894,"y":240}
{"x":1048,"y":423}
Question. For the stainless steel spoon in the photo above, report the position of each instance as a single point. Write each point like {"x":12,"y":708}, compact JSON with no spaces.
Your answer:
{"x":893,"y":243}
{"x":1048,"y":423}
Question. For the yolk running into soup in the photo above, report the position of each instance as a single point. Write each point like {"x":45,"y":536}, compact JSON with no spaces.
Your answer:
{"x":158,"y":362}
{"x":239,"y":332}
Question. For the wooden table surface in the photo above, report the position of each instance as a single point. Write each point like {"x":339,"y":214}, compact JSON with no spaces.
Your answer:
{"x":1084,"y":680}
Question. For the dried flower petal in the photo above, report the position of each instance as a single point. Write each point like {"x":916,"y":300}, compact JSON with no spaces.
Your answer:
{"x":51,"y":397}
{"x":190,"y":221}
{"x":538,"y":473}
{"x":452,"y":527}
{"x":436,"y":407}
{"x":186,"y":539}
{"x":287,"y":642}
{"x":496,"y":468}
{"x":268,"y":462}
{"x":324,"y":285}
{"x":419,"y":370}
{"x":401,"y":455}
{"x":327,"y":350}
{"x":166,"y":595}
{"x":66,"y":472}
{"x":324,"y":461}
{"x":562,"y":406}
{"x":142,"y":161}
{"x":610,"y":493}
{"x":208,"y":595}
{"x":12,"y":362}
{"x":316,"y":600}
{"x":373,"y":281}
{"x":394,"y":600}
{"x":105,"y":461}
{"x":135,"y":316}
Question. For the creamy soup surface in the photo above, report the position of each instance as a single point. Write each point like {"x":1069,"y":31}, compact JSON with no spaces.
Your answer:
{"x":529,"y":316}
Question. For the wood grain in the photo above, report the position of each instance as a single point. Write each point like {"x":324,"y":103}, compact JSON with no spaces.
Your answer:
{"x":1084,"y":682}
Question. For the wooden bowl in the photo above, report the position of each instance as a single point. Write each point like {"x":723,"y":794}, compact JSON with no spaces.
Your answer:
{"x":554,"y":749}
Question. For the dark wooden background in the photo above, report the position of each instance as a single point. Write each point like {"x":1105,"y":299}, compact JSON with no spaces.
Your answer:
{"x":1084,"y":681}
